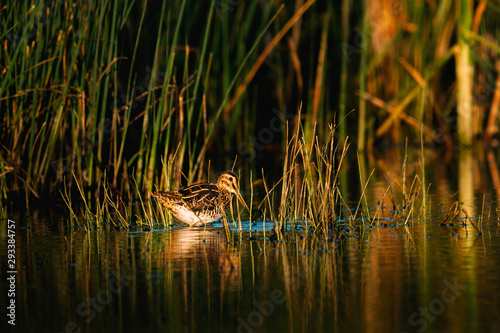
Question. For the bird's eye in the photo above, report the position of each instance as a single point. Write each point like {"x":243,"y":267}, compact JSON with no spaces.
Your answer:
{"x":230,"y":179}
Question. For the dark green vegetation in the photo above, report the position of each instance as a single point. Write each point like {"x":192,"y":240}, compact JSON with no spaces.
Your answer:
{"x":138,"y":91}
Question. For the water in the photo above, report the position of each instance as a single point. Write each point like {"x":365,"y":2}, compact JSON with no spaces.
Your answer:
{"x":384,"y":278}
{"x":392,"y":277}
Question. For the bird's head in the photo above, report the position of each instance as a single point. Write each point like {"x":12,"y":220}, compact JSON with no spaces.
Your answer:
{"x":228,"y":181}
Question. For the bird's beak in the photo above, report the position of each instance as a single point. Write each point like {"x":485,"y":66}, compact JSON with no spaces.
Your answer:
{"x":242,"y":201}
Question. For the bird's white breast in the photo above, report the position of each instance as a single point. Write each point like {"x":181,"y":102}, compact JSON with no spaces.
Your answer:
{"x":188,"y":216}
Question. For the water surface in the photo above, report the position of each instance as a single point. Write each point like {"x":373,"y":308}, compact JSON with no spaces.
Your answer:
{"x":388,"y":277}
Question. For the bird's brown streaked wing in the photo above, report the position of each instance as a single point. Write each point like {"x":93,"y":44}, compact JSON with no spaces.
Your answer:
{"x":167,"y":198}
{"x":200,"y":196}
{"x":196,"y":189}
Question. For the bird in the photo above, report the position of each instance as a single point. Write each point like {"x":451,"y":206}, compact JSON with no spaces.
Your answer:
{"x":202,"y":203}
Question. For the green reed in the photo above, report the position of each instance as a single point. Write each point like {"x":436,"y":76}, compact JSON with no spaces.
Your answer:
{"x":63,"y":79}
{"x":362,"y":121}
{"x":308,"y":189}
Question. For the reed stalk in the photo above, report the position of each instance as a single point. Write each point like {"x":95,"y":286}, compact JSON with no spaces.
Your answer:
{"x":362,"y":81}
{"x":464,"y":70}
